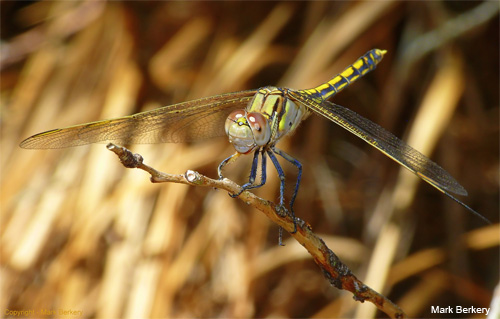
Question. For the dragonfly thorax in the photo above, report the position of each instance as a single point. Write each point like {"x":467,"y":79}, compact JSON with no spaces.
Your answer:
{"x":270,"y":115}
{"x":284,"y":113}
{"x":247,"y":130}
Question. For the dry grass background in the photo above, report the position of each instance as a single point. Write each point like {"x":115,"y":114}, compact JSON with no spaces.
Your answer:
{"x":81,"y":232}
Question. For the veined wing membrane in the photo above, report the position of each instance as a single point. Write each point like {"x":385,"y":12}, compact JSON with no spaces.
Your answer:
{"x":182,"y":122}
{"x":385,"y":141}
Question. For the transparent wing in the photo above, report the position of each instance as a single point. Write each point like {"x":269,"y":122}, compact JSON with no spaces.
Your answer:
{"x":182,"y":122}
{"x":386,"y":142}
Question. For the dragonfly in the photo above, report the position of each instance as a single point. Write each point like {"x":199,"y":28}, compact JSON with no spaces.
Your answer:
{"x":255,"y":121}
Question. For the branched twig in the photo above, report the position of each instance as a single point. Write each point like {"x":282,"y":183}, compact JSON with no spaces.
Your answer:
{"x":334,"y":270}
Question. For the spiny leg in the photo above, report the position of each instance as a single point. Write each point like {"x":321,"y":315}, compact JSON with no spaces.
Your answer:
{"x":281,"y":174}
{"x":253,"y":173}
{"x":297,"y":164}
{"x":228,"y":160}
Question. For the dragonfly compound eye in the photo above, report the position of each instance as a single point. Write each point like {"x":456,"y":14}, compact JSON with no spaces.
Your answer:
{"x":234,"y":117}
{"x":260,"y":128}
{"x":239,"y":132}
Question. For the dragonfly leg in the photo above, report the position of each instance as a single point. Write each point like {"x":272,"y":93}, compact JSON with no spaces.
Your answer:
{"x":297,"y":164}
{"x":253,"y":173}
{"x":228,"y":160}
{"x":281,"y":174}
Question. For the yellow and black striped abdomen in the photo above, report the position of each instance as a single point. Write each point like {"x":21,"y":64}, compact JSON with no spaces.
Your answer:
{"x":363,"y":65}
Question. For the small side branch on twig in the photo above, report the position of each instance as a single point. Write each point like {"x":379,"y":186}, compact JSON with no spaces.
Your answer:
{"x":334,"y":270}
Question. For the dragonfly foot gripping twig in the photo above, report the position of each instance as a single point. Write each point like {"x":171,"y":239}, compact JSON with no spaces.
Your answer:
{"x":337,"y":273}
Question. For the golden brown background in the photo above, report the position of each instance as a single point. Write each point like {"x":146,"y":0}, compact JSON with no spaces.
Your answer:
{"x":81,"y":232}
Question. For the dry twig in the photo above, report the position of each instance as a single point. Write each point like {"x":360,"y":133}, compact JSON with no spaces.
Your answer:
{"x":333,"y":269}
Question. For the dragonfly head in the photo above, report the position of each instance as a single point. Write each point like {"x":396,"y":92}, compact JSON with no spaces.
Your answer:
{"x":247,"y":131}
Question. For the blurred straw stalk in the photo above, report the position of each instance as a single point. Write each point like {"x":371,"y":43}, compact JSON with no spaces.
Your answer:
{"x":82,"y":233}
